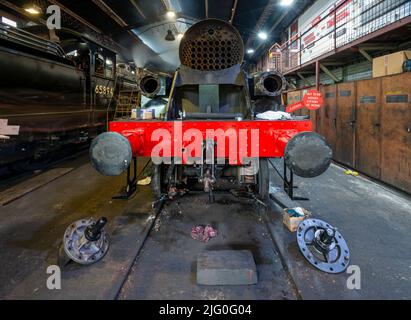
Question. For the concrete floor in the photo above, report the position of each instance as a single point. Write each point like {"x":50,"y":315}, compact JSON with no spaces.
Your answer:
{"x":166,"y":268}
{"x":374,"y":220}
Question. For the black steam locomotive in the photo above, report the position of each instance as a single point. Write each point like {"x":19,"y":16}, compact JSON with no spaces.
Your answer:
{"x":58,"y":93}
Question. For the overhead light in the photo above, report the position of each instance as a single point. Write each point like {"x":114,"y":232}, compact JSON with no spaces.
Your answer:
{"x":9,"y":22}
{"x":170,"y":36}
{"x":33,"y":9}
{"x":109,"y":62}
{"x":250,"y":51}
{"x":180,"y":36}
{"x":286,"y":2}
{"x":262,"y":35}
{"x":171,"y":14}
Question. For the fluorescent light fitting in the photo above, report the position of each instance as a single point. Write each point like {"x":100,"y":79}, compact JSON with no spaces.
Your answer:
{"x":9,"y":22}
{"x":263,"y":35}
{"x":33,"y":9}
{"x":171,"y":14}
{"x":286,"y":2}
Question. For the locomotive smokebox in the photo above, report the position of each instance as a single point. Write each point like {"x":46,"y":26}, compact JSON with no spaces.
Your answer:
{"x":110,"y":153}
{"x":211,"y":45}
{"x":308,"y":154}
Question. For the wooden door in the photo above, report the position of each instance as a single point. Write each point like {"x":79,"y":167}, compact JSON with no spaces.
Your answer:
{"x":328,"y":115}
{"x":345,"y":144}
{"x":368,"y":127}
{"x":396,"y":131}
{"x":306,"y":112}
{"x":294,"y":97}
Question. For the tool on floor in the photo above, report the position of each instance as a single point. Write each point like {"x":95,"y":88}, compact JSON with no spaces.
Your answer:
{"x":85,"y":241}
{"x":323,"y":246}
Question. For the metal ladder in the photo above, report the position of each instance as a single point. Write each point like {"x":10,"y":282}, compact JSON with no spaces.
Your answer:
{"x":125,"y":101}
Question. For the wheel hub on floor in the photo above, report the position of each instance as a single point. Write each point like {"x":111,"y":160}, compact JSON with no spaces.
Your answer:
{"x":85,"y":241}
{"x":323,"y":246}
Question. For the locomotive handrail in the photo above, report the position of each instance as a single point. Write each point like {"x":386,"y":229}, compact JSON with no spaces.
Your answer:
{"x":26,"y":38}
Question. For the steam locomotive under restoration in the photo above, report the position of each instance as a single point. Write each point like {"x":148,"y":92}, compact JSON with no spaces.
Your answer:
{"x":58,"y":92}
{"x":209,"y":104}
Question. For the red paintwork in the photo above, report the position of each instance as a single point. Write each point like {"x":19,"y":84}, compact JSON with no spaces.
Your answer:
{"x":272,"y":135}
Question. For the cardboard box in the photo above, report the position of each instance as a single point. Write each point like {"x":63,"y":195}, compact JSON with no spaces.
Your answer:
{"x":390,"y":64}
{"x":292,"y":222}
{"x":147,"y":114}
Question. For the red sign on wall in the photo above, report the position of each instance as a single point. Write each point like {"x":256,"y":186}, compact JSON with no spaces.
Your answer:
{"x":313,"y":100}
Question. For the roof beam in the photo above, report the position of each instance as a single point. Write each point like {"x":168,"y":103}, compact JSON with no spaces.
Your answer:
{"x":267,"y":12}
{"x":103,"y":6}
{"x":20,"y":10}
{"x":233,"y":10}
{"x":75,"y":16}
{"x":275,"y":25}
{"x":104,"y":41}
{"x":140,"y":11}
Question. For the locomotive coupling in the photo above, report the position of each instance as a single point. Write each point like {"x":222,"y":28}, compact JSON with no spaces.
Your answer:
{"x":308,"y":154}
{"x":110,"y":153}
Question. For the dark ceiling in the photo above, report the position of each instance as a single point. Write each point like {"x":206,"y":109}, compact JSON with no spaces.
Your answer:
{"x":123,"y":20}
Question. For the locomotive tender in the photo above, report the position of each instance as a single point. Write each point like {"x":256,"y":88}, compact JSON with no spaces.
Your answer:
{"x":210,"y":137}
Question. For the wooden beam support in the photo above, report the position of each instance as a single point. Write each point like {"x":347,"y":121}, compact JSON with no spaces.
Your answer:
{"x":306,"y":82}
{"x":329,"y":73}
{"x":365,"y":54}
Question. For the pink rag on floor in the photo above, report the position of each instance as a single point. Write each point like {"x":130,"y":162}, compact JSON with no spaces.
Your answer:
{"x":203,"y":233}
